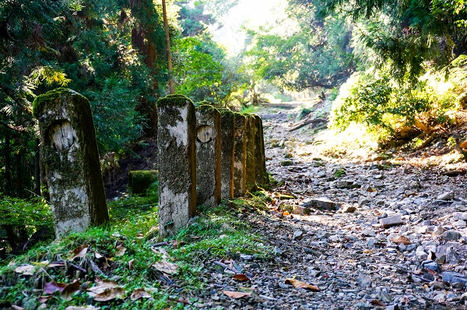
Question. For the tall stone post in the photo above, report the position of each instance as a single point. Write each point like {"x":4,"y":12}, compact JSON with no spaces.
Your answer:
{"x":250,"y":153}
{"x":71,"y":160}
{"x":227,"y":153}
{"x":177,"y":162}
{"x":208,"y":155}
{"x":261,"y":172}
{"x":240,"y":143}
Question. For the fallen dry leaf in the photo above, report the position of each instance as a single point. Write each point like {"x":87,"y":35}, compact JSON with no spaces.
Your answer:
{"x":236,"y":295}
{"x":52,"y":287}
{"x":166,"y":267}
{"x":286,"y":213}
{"x":110,"y":294}
{"x":44,"y":299}
{"x":240,"y":278}
{"x":81,"y":308}
{"x":101,"y":286}
{"x":139,"y":293}
{"x":15,"y":307}
{"x":130,"y":264}
{"x":79,"y":252}
{"x":401,"y":240}
{"x":120,"y":251}
{"x":70,"y":289}
{"x":56,"y":264}
{"x":152,"y":232}
{"x":27,"y":270}
{"x":301,"y":284}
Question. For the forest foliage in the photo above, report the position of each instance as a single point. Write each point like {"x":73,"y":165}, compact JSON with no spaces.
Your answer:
{"x":401,"y":65}
{"x":403,"y":62}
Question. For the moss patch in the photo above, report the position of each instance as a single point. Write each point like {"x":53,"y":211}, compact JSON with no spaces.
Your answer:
{"x":174,"y":100}
{"x":51,"y":96}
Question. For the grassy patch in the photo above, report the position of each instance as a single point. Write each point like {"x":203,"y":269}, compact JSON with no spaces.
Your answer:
{"x":252,"y":109}
{"x":124,"y":252}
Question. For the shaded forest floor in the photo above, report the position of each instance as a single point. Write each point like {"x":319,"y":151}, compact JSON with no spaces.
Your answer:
{"x":343,"y":228}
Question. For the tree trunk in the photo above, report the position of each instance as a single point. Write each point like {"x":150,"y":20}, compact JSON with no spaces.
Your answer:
{"x":169,"y":54}
{"x":37,"y":169}
{"x":20,"y":186}
{"x":7,"y":157}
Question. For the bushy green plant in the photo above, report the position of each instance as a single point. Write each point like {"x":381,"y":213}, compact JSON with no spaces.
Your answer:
{"x":389,"y":107}
{"x":22,"y":212}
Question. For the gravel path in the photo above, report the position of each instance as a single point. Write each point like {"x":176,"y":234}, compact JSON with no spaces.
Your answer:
{"x":367,"y":234}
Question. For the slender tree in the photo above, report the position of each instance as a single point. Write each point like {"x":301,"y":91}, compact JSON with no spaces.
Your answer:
{"x":169,"y":55}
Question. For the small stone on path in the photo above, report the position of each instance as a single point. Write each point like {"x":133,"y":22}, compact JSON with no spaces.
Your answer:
{"x":391,"y":221}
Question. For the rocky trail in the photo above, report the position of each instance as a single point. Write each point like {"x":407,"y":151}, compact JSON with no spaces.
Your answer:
{"x":358,"y":235}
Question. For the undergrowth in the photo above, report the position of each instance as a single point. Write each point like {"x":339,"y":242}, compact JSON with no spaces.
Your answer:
{"x":124,"y":252}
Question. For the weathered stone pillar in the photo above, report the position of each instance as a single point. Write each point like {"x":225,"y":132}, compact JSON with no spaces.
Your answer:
{"x":177,"y":162}
{"x":208,"y":155}
{"x":240,"y":143}
{"x":71,"y":160}
{"x":227,"y":153}
{"x":262,"y":177}
{"x":250,"y":153}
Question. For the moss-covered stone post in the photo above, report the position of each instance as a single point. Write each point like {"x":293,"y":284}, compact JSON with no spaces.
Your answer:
{"x":208,"y":155}
{"x":71,"y":161}
{"x":177,"y":162}
{"x":261,"y":172}
{"x":239,"y":170}
{"x":227,"y":154}
{"x":250,"y":153}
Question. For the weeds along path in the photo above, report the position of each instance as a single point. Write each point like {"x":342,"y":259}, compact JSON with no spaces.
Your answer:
{"x":366,"y":233}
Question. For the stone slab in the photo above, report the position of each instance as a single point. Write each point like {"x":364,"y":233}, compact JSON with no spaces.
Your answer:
{"x":227,"y":154}
{"x":208,"y":154}
{"x":262,"y":177}
{"x":239,"y":161}
{"x":177,"y":162}
{"x":71,"y":161}
{"x":250,"y":153}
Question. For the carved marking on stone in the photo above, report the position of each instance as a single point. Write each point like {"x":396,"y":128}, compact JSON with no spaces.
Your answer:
{"x":204,"y":134}
{"x":62,"y":136}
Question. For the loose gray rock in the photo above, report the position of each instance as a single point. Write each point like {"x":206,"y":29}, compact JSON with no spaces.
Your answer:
{"x":391,"y":221}
{"x":322,"y":203}
{"x":364,"y":280}
{"x":454,"y":277}
{"x":451,"y":235}
{"x":446,"y":196}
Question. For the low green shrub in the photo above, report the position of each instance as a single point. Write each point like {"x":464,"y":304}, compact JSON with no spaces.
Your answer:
{"x":394,"y":109}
